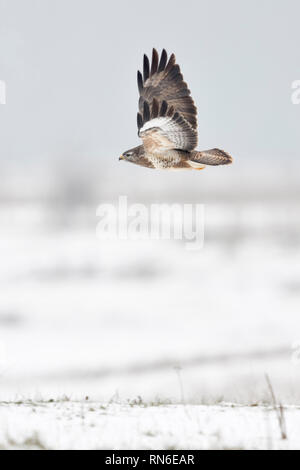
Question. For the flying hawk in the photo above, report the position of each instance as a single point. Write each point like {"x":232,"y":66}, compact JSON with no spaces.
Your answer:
{"x":167,"y":120}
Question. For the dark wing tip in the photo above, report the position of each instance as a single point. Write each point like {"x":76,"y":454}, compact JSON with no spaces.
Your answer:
{"x":163,"y":108}
{"x":171,"y":63}
{"x":154,"y":63}
{"x":155,"y":108}
{"x":163,"y":60}
{"x":146,"y":68}
{"x":146,"y":112}
{"x":140,"y":81}
{"x":139,"y":121}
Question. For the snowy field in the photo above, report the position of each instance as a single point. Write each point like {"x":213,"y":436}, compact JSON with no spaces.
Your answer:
{"x":117,"y":320}
{"x":92,"y":425}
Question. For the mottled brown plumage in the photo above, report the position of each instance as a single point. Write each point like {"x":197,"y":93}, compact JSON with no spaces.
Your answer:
{"x":167,"y":120}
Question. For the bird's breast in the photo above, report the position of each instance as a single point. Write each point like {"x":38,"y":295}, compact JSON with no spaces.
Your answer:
{"x":166,"y":160}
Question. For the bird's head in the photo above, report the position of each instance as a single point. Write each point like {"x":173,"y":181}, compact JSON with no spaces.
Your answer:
{"x":132,"y":155}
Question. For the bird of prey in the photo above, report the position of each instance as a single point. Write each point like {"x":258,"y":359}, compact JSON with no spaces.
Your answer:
{"x":167,"y":120}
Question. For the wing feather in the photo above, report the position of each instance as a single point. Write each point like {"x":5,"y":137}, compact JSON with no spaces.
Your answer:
{"x":164,"y":82}
{"x":146,"y":68}
{"x":154,"y":64}
{"x":163,"y":128}
{"x":140,"y":82}
{"x":163,"y":61}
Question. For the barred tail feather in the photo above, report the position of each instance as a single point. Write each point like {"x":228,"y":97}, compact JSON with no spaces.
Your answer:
{"x":212,"y":157}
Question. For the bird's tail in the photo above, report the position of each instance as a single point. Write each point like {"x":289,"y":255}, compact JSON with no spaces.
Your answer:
{"x":211,"y":157}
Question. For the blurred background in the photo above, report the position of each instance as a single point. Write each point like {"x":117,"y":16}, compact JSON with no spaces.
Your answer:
{"x":80,"y":316}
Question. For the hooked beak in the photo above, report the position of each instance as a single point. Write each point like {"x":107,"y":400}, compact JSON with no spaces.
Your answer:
{"x":121,"y":158}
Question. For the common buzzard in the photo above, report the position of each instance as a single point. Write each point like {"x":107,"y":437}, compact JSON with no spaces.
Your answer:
{"x":167,"y":120}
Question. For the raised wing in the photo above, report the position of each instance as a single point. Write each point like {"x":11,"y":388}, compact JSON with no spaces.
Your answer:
{"x":162,"y":128}
{"x":164,"y":82}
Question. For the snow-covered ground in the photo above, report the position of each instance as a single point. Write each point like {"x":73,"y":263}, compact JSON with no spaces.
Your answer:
{"x":83,"y":317}
{"x":92,"y":425}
